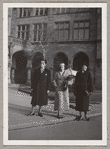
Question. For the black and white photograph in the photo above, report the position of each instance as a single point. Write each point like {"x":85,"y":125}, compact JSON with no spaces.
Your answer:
{"x":54,"y":73}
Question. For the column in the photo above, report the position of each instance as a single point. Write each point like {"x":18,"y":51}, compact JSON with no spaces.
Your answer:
{"x":9,"y":81}
{"x":9,"y":70}
{"x":29,"y":67}
{"x":10,"y":52}
{"x":13,"y":75}
{"x":13,"y":68}
{"x":9,"y":25}
{"x":69,"y":63}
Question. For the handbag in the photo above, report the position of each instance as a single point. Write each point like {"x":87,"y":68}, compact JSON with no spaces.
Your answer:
{"x":65,"y":86}
{"x":70,"y":80}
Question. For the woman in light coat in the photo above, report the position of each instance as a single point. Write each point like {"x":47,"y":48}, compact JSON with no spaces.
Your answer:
{"x":61,"y":91}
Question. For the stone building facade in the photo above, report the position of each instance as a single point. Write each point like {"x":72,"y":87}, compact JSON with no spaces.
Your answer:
{"x":69,"y":35}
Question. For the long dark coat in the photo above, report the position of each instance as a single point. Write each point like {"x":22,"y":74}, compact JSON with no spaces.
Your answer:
{"x":40,"y":84}
{"x":83,"y":82}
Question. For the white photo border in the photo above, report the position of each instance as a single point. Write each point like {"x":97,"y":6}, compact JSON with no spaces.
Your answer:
{"x":104,"y":75}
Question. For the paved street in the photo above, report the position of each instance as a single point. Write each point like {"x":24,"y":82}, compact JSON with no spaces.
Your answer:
{"x":49,"y":127}
{"x":69,"y":130}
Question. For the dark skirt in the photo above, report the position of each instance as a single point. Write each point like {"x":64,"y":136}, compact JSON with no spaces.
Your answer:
{"x":82,"y":102}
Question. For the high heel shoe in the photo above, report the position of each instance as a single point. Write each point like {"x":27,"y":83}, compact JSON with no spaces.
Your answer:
{"x":59,"y":116}
{"x":31,"y":114}
{"x":85,"y":119}
{"x":40,"y":114}
{"x":77,"y":118}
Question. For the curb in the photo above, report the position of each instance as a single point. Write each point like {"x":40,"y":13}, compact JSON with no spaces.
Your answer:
{"x":36,"y":124}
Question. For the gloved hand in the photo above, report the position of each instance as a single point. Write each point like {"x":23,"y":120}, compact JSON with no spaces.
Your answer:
{"x":48,"y":91}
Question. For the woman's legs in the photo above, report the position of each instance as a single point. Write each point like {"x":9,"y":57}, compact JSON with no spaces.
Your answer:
{"x":79,"y":113}
{"x":60,"y":113}
{"x":78,"y":117}
{"x":39,"y":109}
{"x":60,"y":104}
{"x":39,"y":112}
{"x":85,"y":115}
{"x":33,"y":111}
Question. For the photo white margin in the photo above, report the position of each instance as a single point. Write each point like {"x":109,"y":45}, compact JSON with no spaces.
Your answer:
{"x":102,"y":142}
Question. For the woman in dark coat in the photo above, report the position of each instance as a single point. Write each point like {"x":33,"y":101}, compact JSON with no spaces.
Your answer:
{"x":40,"y":84}
{"x":82,"y":90}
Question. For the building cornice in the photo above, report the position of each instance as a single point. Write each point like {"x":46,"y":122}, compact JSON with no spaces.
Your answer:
{"x":72,"y":42}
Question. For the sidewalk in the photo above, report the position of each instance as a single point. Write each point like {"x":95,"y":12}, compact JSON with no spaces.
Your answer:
{"x":20,"y":107}
{"x":95,"y":98}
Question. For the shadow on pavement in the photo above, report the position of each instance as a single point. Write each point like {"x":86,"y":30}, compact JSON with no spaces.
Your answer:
{"x":26,"y":110}
{"x":13,"y":88}
{"x":19,"y":109}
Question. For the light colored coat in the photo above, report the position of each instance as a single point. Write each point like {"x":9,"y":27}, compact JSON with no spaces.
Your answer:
{"x":61,"y":97}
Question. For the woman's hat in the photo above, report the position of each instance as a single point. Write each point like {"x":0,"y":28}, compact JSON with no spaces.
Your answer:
{"x":42,"y":59}
{"x":62,"y":64}
{"x":85,"y":64}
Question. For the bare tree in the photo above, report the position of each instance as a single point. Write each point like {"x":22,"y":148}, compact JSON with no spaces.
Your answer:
{"x":43,"y":42}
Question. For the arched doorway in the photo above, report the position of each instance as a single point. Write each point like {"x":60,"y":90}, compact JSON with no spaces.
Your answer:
{"x":20,"y":63}
{"x":59,"y":58}
{"x":36,"y":60}
{"x":79,"y":59}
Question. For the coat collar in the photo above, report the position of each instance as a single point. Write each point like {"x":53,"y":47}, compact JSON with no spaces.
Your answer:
{"x":42,"y":74}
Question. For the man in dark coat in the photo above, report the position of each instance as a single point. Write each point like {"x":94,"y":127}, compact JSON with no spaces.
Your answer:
{"x":82,"y":90}
{"x":40,"y":84}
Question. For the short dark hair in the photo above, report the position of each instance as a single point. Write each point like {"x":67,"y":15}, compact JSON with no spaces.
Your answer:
{"x":42,"y":59}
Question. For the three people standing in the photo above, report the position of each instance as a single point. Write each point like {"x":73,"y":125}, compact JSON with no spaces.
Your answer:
{"x":41,"y":82}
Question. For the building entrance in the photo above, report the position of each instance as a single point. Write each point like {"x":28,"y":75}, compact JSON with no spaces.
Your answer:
{"x":79,"y":59}
{"x":20,"y":61}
